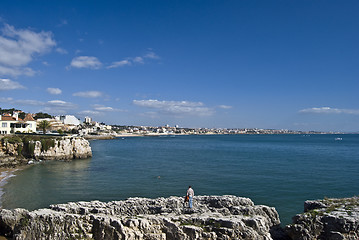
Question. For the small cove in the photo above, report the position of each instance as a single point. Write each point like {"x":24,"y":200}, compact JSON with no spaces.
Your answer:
{"x":281,"y":171}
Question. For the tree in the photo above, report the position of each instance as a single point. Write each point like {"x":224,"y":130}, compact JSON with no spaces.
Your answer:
{"x":22,"y":115}
{"x":42,"y":115}
{"x":44,"y":125}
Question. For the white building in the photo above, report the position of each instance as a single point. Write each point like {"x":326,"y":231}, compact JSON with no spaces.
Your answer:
{"x":88,"y":120}
{"x":12,"y":124}
{"x":69,"y":120}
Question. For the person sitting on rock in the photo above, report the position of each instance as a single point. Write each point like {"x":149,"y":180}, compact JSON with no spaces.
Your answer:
{"x":190,"y":194}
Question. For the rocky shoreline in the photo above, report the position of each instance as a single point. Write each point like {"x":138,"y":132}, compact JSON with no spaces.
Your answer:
{"x":21,"y":150}
{"x":213,"y":217}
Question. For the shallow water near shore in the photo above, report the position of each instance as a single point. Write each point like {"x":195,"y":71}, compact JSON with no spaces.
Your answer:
{"x":281,"y":171}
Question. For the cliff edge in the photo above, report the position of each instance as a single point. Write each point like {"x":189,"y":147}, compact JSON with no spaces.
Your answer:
{"x":213,"y":217}
{"x":330,"y":219}
{"x":18,"y":150}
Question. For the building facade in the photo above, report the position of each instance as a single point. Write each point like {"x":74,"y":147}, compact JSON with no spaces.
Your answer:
{"x":12,"y":124}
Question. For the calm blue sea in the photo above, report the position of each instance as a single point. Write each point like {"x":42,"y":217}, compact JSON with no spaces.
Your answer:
{"x":276,"y":170}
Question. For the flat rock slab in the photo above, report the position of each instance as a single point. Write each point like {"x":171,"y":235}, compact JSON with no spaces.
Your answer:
{"x":212,"y":217}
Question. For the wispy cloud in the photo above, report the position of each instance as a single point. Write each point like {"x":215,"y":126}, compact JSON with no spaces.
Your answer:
{"x":329,"y":110}
{"x":102,"y":108}
{"x":88,"y":94}
{"x":89,"y":113}
{"x":225,"y":106}
{"x":86,"y":62}
{"x":52,"y":106}
{"x":152,"y":55}
{"x":60,"y":104}
{"x":7,"y":84}
{"x":19,"y":46}
{"x":61,"y":50}
{"x":134,"y":60}
{"x":120,"y":64}
{"x":62,"y":23}
{"x":178,"y":108}
{"x":54,"y":91}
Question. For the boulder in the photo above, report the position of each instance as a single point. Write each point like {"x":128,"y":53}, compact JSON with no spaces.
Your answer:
{"x":327,"y":219}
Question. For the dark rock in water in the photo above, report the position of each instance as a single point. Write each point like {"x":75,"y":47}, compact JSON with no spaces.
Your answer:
{"x":213,"y":217}
{"x":327,"y":219}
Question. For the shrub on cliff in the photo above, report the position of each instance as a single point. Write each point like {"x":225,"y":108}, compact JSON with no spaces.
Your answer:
{"x":46,"y":144}
{"x":26,"y":143}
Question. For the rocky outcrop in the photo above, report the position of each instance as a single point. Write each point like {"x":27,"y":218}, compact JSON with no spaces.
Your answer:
{"x":213,"y":217}
{"x":18,"y":150}
{"x":64,"y":149}
{"x":332,"y":219}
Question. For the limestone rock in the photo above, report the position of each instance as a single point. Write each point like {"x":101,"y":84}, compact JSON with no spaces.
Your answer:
{"x":327,"y":219}
{"x":213,"y":217}
{"x":66,"y":148}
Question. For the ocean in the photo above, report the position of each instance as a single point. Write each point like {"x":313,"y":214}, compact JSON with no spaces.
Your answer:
{"x":281,"y":171}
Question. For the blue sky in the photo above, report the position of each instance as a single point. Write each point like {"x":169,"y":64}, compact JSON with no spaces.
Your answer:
{"x":236,"y":64}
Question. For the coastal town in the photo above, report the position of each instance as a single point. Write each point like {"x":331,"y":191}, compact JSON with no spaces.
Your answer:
{"x":14,"y":121}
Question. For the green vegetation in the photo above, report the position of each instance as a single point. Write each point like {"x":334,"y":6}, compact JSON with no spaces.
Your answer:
{"x":42,"y":115}
{"x":46,"y":144}
{"x":44,"y":125}
{"x":22,"y":115}
{"x":26,"y":143}
{"x":11,"y":139}
{"x":333,"y":204}
{"x":10,"y":110}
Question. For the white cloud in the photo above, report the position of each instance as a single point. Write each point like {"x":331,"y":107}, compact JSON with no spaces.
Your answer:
{"x":18,"y":48}
{"x":329,"y":110}
{"x":225,"y":106}
{"x":138,"y":60}
{"x":88,"y":94}
{"x":54,"y":91}
{"x":103,"y":108}
{"x":16,"y":71}
{"x":86,"y":62}
{"x":120,"y":64}
{"x":52,"y":104}
{"x":134,"y":60}
{"x":7,"y":84}
{"x":88,"y":113}
{"x":52,"y":107}
{"x":176,"y":107}
{"x":6,"y":100}
{"x":61,"y":50}
{"x":29,"y":102}
{"x":151,"y":55}
{"x":60,"y":104}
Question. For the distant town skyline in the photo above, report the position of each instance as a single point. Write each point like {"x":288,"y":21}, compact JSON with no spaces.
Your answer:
{"x":233,"y":64}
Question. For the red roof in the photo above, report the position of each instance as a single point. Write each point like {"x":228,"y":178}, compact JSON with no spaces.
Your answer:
{"x":29,"y":118}
{"x":8,"y":118}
